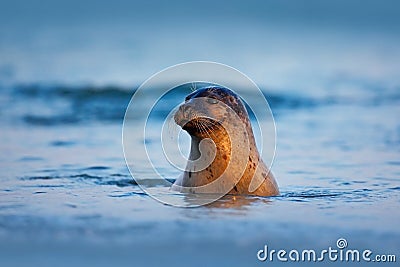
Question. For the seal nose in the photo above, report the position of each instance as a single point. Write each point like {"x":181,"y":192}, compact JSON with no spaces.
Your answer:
{"x":182,"y":109}
{"x":181,"y":114}
{"x":185,"y":110}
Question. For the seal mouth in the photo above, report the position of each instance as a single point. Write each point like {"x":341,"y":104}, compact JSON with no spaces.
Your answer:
{"x":201,"y":126}
{"x":192,"y":120}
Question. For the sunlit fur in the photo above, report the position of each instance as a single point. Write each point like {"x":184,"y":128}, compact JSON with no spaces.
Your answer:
{"x":191,"y":118}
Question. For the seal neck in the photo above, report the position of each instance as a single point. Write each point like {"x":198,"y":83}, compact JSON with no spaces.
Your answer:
{"x":220,"y":140}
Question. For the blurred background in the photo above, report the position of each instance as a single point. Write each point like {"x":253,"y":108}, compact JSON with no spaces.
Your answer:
{"x":124,"y":42}
{"x":329,"y":69}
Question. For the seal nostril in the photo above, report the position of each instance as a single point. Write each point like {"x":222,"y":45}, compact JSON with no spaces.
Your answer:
{"x":186,"y":108}
{"x":184,"y":111}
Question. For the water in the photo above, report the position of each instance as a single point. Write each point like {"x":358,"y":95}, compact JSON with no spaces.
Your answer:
{"x":68,"y":69}
{"x":66,"y":192}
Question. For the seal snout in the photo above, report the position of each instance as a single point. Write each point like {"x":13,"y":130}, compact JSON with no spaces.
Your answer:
{"x":187,"y":117}
{"x":182,"y":115}
{"x":191,"y":118}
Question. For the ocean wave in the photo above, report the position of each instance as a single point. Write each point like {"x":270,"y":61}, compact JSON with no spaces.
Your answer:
{"x":50,"y":105}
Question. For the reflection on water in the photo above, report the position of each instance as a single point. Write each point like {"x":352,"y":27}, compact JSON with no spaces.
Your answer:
{"x":238,"y":202}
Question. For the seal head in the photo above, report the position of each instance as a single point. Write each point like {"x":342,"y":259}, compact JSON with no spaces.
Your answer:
{"x":219,"y":125}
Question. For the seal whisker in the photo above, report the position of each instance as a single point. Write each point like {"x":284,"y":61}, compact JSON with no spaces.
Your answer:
{"x":212,"y":124}
{"x":207,"y":130}
{"x":209,"y":125}
{"x":198,"y":126}
{"x":204,"y":129}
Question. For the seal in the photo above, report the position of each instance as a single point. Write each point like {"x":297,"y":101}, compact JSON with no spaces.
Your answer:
{"x":222,"y":139}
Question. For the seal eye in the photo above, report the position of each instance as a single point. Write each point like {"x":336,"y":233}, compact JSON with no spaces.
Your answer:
{"x":212,"y":100}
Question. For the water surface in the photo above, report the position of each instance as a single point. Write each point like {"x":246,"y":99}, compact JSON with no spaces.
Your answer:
{"x":68,"y":198}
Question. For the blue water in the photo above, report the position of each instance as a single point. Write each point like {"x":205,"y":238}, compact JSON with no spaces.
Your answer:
{"x":66,"y":192}
{"x":330,"y":71}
